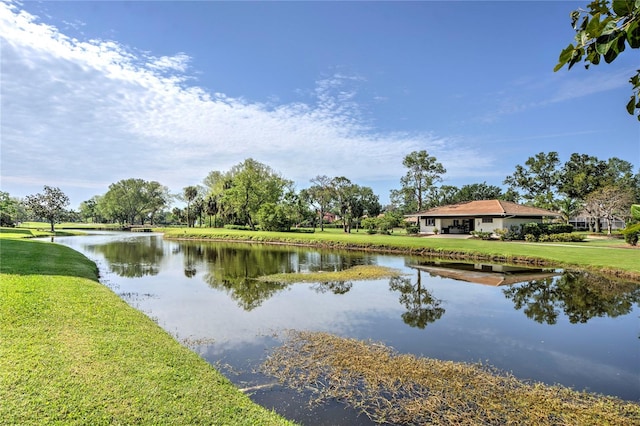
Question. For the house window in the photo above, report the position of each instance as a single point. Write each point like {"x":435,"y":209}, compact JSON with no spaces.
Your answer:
{"x":430,"y":221}
{"x":456,"y":222}
{"x":487,"y":220}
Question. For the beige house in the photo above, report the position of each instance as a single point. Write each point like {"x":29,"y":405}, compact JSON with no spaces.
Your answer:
{"x":483,"y":216}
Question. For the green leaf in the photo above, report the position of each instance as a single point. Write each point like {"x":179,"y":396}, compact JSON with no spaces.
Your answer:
{"x":633,"y":34}
{"x":604,"y":43}
{"x":622,"y":7}
{"x":631,"y":105}
{"x":598,"y":6}
{"x":575,"y":15}
{"x":609,"y":26}
{"x":593,"y":28}
{"x":577,"y":57}
{"x":565,"y":56}
{"x":614,"y":47}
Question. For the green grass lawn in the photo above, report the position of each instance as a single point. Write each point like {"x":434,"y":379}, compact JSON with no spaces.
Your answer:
{"x":612,"y":256}
{"x":33,"y":232}
{"x":73,"y":352}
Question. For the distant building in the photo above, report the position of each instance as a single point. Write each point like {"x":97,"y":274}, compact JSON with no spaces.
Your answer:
{"x":483,"y":216}
{"x":581,"y":223}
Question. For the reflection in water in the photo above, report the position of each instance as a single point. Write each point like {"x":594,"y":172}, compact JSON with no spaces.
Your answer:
{"x":580,"y":295}
{"x":407,"y":313}
{"x":482,"y":273}
{"x":235,"y":267}
{"x":422,"y":307}
{"x":335,"y":287}
{"x":132,"y":258}
{"x":191,"y":254}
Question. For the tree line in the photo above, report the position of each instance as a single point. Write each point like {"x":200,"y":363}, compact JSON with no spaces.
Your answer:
{"x":251,"y":194}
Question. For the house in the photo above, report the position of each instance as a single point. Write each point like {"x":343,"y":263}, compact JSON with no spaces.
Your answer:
{"x":584,"y":222}
{"x":483,"y":215}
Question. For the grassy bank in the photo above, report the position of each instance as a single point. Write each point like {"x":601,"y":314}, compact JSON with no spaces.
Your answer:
{"x":32,"y":233}
{"x":73,"y":352}
{"x":612,"y":257}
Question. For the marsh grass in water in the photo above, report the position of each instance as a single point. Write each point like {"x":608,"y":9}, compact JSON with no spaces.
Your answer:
{"x":356,"y":273}
{"x":390,"y":387}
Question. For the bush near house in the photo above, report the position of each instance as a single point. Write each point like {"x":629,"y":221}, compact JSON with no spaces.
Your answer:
{"x":412,"y":229}
{"x":632,"y":231}
{"x":543,"y":232}
{"x":632,"y":234}
{"x":564,"y":237}
{"x":482,"y":235}
{"x":379,"y":225}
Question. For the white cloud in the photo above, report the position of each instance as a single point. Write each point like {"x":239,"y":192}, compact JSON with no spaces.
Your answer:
{"x":527,"y":93}
{"x":89,"y":113}
{"x":179,"y":62}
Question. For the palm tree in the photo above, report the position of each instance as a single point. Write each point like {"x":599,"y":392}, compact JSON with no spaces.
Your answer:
{"x":569,"y":207}
{"x":189,"y":194}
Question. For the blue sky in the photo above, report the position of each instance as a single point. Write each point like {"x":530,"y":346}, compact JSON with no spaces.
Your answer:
{"x":95,"y":92}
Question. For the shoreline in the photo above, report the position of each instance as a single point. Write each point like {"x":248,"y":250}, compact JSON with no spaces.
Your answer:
{"x":431,"y":252}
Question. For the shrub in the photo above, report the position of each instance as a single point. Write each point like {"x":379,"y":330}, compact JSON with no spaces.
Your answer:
{"x":273,"y":217}
{"x":530,"y":238}
{"x":6,"y":221}
{"x":412,"y":229}
{"x":566,"y":237}
{"x":513,"y":233}
{"x":370,"y":224}
{"x":381,"y":225}
{"x":632,"y":234}
{"x":559,"y":228}
{"x":481,"y":234}
{"x":532,"y":228}
{"x":238,"y":227}
{"x":501,"y":233}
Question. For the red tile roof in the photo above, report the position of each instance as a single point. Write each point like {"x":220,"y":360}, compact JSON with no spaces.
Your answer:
{"x":486,"y":208}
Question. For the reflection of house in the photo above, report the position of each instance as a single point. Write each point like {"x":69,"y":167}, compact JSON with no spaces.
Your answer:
{"x":487,"y":274}
{"x":483,"y":215}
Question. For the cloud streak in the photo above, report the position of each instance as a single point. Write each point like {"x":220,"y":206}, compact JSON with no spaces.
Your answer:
{"x":89,"y":113}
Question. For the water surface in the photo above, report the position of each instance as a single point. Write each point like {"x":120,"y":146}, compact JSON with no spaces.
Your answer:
{"x":565,"y":327}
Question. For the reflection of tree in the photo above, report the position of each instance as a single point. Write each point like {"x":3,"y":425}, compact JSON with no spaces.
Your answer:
{"x":580,"y":295}
{"x":422,"y":307}
{"x":190,"y":254}
{"x":322,"y":260}
{"x":336,"y":287}
{"x":234,"y":267}
{"x":539,"y":297}
{"x":134,"y":258}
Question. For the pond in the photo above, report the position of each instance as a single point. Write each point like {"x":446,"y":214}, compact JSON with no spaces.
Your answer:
{"x":565,"y":327}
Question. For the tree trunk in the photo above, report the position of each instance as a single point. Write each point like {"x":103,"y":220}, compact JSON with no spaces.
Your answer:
{"x":52,"y":225}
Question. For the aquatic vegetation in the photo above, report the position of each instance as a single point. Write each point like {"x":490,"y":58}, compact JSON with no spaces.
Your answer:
{"x":359,"y":272}
{"x":390,"y":387}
